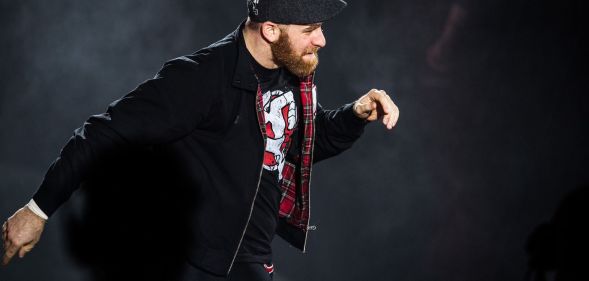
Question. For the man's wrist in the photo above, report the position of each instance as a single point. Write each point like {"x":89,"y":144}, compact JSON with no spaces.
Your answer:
{"x":356,"y":117}
{"x":32,"y":205}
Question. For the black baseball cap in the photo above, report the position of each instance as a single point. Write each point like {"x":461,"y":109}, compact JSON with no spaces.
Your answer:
{"x":294,"y":11}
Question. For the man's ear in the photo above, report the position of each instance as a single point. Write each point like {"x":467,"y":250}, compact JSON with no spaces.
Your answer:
{"x":270,"y":31}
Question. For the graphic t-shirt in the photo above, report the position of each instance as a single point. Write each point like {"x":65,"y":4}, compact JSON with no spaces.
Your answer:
{"x":282,"y":111}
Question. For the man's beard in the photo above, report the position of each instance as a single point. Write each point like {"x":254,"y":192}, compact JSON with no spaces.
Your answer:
{"x":285,"y":56}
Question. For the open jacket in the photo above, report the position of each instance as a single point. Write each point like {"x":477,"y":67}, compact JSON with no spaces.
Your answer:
{"x":204,"y":111}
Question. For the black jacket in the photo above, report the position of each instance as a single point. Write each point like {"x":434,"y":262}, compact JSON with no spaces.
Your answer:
{"x":200,"y":111}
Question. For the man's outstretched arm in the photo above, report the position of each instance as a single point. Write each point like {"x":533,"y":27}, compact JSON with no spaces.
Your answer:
{"x":158,"y":111}
{"x":336,"y":130}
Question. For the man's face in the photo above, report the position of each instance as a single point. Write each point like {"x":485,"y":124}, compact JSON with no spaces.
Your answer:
{"x":297,"y":47}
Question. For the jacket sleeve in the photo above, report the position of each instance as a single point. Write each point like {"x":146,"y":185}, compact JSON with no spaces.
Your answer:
{"x":159,"y":110}
{"x":335,"y":131}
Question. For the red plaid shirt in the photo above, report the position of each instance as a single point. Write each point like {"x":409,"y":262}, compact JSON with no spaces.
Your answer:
{"x":294,"y":203}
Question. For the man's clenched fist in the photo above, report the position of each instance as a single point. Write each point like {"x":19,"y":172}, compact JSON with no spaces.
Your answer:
{"x":376,"y":104}
{"x":20,"y":233}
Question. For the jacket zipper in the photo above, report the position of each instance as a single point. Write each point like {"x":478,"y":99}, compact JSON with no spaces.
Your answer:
{"x":248,"y":218}
{"x":309,"y":226}
{"x":255,"y":194}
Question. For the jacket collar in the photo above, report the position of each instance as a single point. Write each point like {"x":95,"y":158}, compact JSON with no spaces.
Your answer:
{"x":243,"y":76}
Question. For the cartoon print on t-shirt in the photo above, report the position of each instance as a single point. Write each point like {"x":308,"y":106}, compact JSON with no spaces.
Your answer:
{"x":280,"y":114}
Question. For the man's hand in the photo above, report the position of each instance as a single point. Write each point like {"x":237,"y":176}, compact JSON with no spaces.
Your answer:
{"x":20,"y":233}
{"x":376,"y":104}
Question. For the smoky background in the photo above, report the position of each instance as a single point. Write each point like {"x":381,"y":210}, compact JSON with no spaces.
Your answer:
{"x":484,"y":150}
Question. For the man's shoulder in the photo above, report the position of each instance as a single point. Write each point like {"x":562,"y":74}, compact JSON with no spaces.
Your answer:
{"x":213,"y":57}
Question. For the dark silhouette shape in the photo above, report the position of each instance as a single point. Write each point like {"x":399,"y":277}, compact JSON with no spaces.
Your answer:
{"x":562,"y":245}
{"x":132,"y":220}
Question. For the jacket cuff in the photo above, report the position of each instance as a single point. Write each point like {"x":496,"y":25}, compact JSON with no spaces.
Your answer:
{"x":32,"y":205}
{"x":43,"y":202}
{"x":354,"y":122}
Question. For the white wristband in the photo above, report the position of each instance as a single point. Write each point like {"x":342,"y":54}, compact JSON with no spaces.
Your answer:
{"x":35,"y":209}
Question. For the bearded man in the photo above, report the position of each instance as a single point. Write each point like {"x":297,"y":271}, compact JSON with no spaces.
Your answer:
{"x":240,"y":118}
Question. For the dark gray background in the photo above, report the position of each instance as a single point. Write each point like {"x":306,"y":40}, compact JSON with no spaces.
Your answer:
{"x":481,"y":155}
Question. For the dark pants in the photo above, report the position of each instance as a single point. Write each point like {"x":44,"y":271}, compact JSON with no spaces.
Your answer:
{"x":239,"y":272}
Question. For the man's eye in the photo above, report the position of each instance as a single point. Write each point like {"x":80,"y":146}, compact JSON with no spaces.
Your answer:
{"x":309,"y":31}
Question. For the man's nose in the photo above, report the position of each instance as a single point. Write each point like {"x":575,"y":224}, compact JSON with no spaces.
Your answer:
{"x":319,"y":39}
